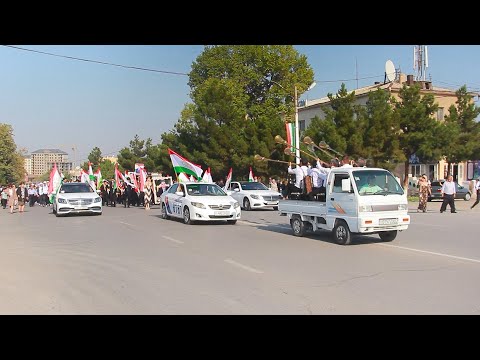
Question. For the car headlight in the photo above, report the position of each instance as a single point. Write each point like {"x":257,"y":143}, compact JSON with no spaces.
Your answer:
{"x":402,"y":206}
{"x":236,"y":205}
{"x":62,"y":201}
{"x":256,"y":197}
{"x":198,"y":205}
{"x":97,"y":199}
{"x":365,"y":208}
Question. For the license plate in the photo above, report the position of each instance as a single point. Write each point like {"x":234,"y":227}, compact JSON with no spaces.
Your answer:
{"x":81,"y":208}
{"x":221,"y":213}
{"x":388,"y":221}
{"x":272,"y":202}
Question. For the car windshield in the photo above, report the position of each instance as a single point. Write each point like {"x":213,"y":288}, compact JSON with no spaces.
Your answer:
{"x":376,"y":182}
{"x":205,"y":190}
{"x":76,"y":188}
{"x":253,"y":186}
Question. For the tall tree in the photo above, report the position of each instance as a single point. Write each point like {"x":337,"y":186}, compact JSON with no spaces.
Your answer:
{"x":95,"y":156}
{"x":136,"y":153}
{"x":12,"y":168}
{"x":380,"y":138}
{"x":418,"y":129}
{"x":238,"y":93}
{"x":463,"y":142}
{"x":342,"y":128}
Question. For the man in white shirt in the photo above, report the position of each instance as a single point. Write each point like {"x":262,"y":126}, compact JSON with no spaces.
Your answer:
{"x":346,"y":162}
{"x":477,"y":189}
{"x":300,"y":172}
{"x":319,"y":178}
{"x":448,"y":193}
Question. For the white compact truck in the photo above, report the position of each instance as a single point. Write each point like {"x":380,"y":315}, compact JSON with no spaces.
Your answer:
{"x":357,"y":201}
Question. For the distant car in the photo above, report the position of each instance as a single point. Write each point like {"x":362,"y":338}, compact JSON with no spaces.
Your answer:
{"x":461,"y":191}
{"x":77,"y":197}
{"x":254,"y":195}
{"x":200,"y":202}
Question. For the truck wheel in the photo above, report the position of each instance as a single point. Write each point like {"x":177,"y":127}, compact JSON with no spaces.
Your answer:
{"x":342,"y":233}
{"x":298,"y":226}
{"x":246,"y":204}
{"x":388,"y":235}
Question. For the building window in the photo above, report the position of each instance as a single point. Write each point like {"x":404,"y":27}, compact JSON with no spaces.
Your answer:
{"x":440,"y":114}
{"x":301,"y":125}
{"x":416,"y":170}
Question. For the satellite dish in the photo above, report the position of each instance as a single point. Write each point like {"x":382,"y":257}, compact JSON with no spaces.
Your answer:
{"x":390,"y":70}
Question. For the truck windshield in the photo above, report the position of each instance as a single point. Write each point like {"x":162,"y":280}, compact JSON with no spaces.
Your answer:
{"x":376,"y":182}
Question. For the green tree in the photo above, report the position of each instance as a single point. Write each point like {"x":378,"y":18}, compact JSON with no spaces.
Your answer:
{"x":95,"y":156}
{"x":463,"y":142}
{"x":136,"y":153}
{"x":238,"y":94}
{"x":108,"y":169}
{"x":419,"y":131}
{"x":343,"y":126}
{"x":11,"y":161}
{"x":380,"y":140}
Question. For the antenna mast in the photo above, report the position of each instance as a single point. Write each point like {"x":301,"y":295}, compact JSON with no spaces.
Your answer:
{"x":420,"y":62}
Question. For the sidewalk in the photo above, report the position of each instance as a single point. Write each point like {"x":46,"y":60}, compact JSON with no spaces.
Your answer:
{"x":460,"y":205}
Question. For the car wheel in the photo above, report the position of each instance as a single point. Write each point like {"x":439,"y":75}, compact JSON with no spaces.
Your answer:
{"x":53,"y":209}
{"x":342,"y":233}
{"x":186,"y":216}
{"x":164,"y":214}
{"x":57,"y":214}
{"x":275,"y":208}
{"x":388,"y":235}
{"x":298,"y":226}
{"x":246,"y":204}
{"x":232,"y":222}
{"x":467,"y":197}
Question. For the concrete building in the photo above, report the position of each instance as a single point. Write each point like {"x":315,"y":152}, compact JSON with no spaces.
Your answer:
{"x":27,"y":159}
{"x":113,"y":159}
{"x":444,"y":97}
{"x":43,"y":159}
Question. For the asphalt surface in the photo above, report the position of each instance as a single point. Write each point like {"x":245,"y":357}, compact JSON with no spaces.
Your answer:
{"x":130,"y":261}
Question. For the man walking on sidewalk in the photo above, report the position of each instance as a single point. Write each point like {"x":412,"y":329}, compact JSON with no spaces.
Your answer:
{"x":477,"y":189}
{"x":448,"y":193}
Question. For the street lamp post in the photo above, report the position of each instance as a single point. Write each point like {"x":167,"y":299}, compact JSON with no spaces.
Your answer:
{"x":297,"y":130}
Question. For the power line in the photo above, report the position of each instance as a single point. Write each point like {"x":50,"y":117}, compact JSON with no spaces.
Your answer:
{"x":97,"y":62}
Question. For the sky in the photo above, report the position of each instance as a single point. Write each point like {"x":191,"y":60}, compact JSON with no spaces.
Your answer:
{"x":54,"y":102}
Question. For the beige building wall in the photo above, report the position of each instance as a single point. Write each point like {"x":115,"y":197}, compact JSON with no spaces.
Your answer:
{"x":28,"y":165}
{"x":41,"y":158}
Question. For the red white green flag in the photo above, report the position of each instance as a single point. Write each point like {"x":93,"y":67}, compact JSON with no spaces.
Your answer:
{"x":182,"y":165}
{"x":229,"y":179}
{"x":290,"y":127}
{"x":250,"y":175}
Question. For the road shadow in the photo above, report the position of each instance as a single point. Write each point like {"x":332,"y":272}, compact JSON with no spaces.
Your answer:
{"x":322,"y":235}
{"x":198,"y":223}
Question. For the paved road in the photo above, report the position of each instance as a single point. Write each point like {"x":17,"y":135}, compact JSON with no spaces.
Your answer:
{"x":129,"y":261}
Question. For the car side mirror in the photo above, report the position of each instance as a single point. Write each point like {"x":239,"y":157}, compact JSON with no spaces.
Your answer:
{"x":179,"y":193}
{"x":229,"y":193}
{"x":236,"y":189}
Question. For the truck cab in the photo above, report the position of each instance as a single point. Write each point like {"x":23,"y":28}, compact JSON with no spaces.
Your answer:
{"x":357,"y":201}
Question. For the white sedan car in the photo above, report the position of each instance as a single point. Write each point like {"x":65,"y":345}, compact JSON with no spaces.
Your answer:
{"x":194,"y":201}
{"x":254,"y":195}
{"x":77,"y":197}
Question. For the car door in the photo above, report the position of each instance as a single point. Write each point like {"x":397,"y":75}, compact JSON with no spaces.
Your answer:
{"x":171,"y":201}
{"x":341,"y":204}
{"x":235,"y":194}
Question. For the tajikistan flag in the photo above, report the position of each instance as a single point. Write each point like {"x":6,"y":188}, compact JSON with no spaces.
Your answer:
{"x":54,"y":183}
{"x":84,"y":177}
{"x":182,"y":177}
{"x":91,"y":176}
{"x":229,"y":179}
{"x":250,"y":175}
{"x":182,"y":165}
{"x":98,"y":175}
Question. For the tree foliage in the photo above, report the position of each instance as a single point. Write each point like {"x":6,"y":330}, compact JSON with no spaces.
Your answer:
{"x":463,"y":142}
{"x":95,"y":156}
{"x":238,"y":94}
{"x":12,"y":168}
{"x":418,"y":131}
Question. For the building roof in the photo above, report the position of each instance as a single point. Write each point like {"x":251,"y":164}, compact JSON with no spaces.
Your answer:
{"x":391,"y":86}
{"x":49,"y":151}
{"x":27,"y":156}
